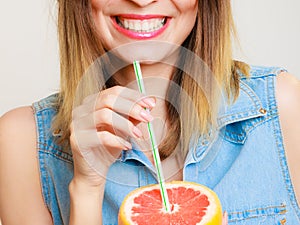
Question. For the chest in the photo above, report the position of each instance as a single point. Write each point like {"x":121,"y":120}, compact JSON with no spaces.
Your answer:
{"x":248,"y":178}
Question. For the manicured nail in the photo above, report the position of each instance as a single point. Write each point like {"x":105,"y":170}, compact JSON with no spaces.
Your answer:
{"x":150,"y":102}
{"x":137,"y":132}
{"x":146,"y":115}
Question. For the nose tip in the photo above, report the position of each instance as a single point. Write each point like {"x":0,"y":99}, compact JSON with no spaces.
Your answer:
{"x":143,"y":3}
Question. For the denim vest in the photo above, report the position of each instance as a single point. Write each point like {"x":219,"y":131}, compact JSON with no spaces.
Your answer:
{"x":245,"y":164}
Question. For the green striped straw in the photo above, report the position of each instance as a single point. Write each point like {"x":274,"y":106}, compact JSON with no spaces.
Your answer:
{"x":155,"y":152}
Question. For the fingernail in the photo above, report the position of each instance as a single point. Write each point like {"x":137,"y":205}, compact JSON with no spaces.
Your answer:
{"x":146,"y":115}
{"x":150,"y":102}
{"x":137,"y":132}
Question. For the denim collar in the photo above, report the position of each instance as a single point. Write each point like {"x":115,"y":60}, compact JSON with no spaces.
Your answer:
{"x":137,"y":155}
{"x":247,"y":106}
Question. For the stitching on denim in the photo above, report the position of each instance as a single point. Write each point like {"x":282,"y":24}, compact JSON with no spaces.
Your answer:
{"x":281,"y":154}
{"x":252,"y":217}
{"x":42,"y":135}
{"x":45,"y":171}
{"x":40,"y":161}
{"x":48,"y":187}
{"x":282,"y":211}
{"x":259,"y":72}
{"x":283,"y":206}
{"x":44,"y":180}
{"x":251,"y":112}
{"x":250,"y":129}
{"x":56,"y":156}
{"x":271,"y":112}
{"x":282,"y":158}
{"x":252,"y":95}
{"x":46,"y":103}
{"x":246,"y":130}
{"x":56,"y":152}
{"x":44,"y":111}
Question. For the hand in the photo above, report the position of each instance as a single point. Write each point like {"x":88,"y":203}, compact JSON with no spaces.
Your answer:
{"x":225,"y":218}
{"x":101,"y":127}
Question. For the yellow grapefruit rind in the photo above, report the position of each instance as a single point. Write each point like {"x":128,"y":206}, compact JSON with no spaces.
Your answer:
{"x":216,"y":219}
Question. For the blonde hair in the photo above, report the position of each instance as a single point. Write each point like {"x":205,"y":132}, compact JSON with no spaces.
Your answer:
{"x":210,"y":39}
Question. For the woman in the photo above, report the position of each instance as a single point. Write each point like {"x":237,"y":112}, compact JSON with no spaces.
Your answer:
{"x":54,"y":164}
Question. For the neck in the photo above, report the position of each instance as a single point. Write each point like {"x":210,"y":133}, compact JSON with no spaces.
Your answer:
{"x":156,"y":78}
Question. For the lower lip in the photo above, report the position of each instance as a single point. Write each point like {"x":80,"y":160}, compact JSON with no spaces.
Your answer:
{"x":142,"y":35}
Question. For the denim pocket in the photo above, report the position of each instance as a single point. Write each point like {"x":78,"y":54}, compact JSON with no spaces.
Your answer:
{"x":270,"y":215}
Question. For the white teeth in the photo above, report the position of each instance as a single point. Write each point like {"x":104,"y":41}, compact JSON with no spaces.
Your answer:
{"x":126,"y":24}
{"x":141,"y":25}
{"x":156,"y":23}
{"x":131,"y":26}
{"x":137,"y":26}
{"x":151,"y":25}
{"x":145,"y":26}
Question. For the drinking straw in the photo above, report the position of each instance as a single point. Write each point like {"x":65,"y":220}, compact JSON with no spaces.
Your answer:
{"x":155,"y":152}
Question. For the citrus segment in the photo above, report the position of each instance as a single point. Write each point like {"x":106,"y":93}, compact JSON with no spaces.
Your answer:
{"x":190,"y":203}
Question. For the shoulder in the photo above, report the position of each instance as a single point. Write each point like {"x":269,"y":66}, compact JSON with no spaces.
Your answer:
{"x":288,"y":90}
{"x":12,"y":120}
{"x":288,"y":101}
{"x":17,"y":127}
{"x":261,"y":79}
{"x":21,"y":122}
{"x":18,"y":159}
{"x":17,"y":133}
{"x":255,"y":72}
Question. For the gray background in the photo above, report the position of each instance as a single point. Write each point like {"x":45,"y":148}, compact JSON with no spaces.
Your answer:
{"x":269,"y":33}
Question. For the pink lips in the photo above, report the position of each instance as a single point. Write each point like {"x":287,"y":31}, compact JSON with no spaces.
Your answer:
{"x":139,"y":35}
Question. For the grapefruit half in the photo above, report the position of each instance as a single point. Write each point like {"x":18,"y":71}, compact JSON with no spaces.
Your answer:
{"x":191,"y":203}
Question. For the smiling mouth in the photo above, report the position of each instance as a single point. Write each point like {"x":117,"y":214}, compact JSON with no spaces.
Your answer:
{"x":141,"y":26}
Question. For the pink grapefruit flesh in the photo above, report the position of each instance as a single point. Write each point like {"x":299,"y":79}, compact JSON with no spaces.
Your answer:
{"x":191,"y":203}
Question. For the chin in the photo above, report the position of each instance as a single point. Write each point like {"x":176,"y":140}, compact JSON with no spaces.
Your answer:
{"x":148,"y":52}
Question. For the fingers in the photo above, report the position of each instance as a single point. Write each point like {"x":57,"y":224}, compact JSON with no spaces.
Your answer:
{"x":105,"y":143}
{"x":103,"y":123}
{"x":128,"y":108}
{"x":114,"y":109}
{"x":107,"y":119}
{"x":96,"y":150}
{"x":126,"y":93}
{"x":122,"y":100}
{"x":111,"y":96}
{"x":90,"y":139}
{"x":225,"y":218}
{"x":126,"y":102}
{"x":113,"y":142}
